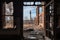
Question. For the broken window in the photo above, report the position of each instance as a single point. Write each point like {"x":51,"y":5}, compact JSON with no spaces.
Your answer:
{"x":31,"y":18}
{"x":8,"y":15}
{"x":28,"y":3}
{"x":37,"y":3}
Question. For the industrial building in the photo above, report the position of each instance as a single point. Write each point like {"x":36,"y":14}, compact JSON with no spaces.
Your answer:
{"x":51,"y":19}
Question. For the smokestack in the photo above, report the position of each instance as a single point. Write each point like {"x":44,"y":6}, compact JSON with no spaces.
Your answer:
{"x":30,"y":14}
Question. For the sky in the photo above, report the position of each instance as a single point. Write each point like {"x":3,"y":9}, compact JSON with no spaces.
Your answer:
{"x":26,"y":12}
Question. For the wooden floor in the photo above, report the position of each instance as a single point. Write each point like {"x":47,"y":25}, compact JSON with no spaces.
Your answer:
{"x":33,"y":36}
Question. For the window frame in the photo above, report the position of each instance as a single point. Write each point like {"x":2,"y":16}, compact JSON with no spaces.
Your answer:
{"x":4,"y":16}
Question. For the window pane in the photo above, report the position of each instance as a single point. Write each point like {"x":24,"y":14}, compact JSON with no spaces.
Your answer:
{"x":29,"y":13}
{"x":40,"y":10}
{"x":50,"y":7}
{"x":8,"y":22}
{"x":9,"y":8}
{"x":32,"y":3}
{"x":37,"y":3}
{"x":24,"y":3}
{"x":42,"y":3}
{"x":28,"y":3}
{"x":50,"y":11}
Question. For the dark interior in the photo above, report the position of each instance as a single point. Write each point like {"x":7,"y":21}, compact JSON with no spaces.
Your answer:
{"x":17,"y":33}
